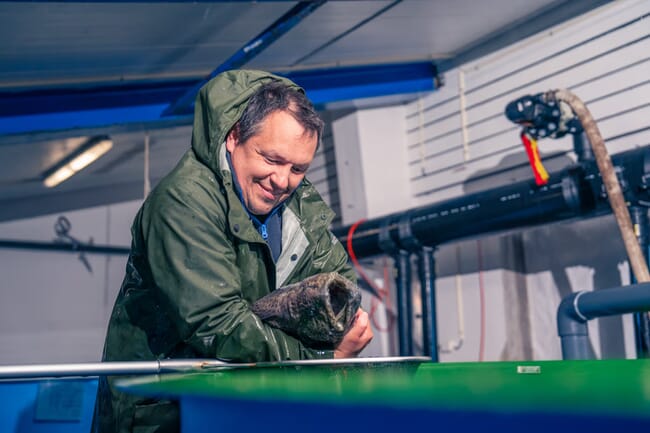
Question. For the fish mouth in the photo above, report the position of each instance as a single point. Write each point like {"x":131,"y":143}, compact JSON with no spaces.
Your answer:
{"x":338,"y":297}
{"x":340,"y":294}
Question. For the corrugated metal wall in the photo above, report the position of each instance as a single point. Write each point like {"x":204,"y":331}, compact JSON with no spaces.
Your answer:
{"x":459,"y":142}
{"x":459,"y":139}
{"x":322,"y":173}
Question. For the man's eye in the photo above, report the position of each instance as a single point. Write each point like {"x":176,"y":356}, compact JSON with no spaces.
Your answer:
{"x":298,"y":170}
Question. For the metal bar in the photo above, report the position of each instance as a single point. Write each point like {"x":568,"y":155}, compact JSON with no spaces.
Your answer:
{"x":92,"y":369}
{"x":164,"y":366}
{"x":285,"y":23}
{"x":64,"y":247}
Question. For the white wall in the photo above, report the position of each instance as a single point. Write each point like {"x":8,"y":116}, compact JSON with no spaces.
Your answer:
{"x":52,"y":309}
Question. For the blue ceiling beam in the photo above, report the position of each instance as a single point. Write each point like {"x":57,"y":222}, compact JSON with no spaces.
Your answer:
{"x":55,"y":100}
{"x":153,"y":105}
{"x":142,"y":107}
{"x":282,"y":25}
{"x":347,"y":83}
{"x":148,"y":116}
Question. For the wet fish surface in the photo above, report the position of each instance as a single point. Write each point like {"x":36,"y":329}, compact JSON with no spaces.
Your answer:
{"x":318,"y":310}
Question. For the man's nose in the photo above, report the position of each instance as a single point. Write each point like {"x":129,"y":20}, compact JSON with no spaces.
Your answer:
{"x":280,"y":178}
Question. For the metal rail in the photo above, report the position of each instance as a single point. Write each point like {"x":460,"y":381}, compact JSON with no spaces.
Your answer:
{"x":166,"y":366}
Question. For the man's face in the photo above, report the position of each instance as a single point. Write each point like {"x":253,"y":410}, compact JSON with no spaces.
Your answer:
{"x":272,"y":163}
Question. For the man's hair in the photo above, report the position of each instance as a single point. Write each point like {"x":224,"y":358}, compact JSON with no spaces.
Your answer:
{"x":277,"y":96}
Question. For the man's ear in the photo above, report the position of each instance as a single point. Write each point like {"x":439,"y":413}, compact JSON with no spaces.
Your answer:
{"x":231,"y":140}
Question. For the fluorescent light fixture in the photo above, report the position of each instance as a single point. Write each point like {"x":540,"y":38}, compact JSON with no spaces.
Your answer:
{"x":78,"y":160}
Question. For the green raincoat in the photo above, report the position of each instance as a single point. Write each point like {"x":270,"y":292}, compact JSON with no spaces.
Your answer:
{"x":197,"y":263}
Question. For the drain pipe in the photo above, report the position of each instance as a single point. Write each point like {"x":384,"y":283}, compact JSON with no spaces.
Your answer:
{"x":401,"y":245}
{"x":578,"y":308}
{"x":427,"y":277}
{"x":427,"y":271}
{"x":402,"y":258}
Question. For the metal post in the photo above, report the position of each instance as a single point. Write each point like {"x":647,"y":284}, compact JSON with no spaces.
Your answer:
{"x":427,"y":271}
{"x":639,"y":216}
{"x":404,"y":303}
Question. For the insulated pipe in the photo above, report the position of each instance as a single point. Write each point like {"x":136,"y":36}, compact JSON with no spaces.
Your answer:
{"x":578,"y":308}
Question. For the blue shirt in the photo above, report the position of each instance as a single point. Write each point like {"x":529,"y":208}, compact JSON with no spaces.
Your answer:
{"x":269,"y":226}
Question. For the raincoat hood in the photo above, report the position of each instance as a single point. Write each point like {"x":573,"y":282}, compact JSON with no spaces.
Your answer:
{"x":219,"y":105}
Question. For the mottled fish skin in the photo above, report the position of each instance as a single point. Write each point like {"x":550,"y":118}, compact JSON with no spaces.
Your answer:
{"x":318,"y":310}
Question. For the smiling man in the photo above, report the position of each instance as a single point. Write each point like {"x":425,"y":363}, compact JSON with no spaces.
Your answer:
{"x":235,"y":220}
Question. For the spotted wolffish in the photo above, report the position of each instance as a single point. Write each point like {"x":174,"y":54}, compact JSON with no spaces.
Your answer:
{"x":318,"y":310}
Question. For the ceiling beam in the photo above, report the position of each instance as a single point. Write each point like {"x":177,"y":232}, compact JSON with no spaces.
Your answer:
{"x":97,"y":111}
{"x":282,"y":25}
{"x":343,"y":84}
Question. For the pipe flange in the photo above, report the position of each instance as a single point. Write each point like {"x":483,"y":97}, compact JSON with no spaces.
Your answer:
{"x":385,"y":241}
{"x":407,"y":240}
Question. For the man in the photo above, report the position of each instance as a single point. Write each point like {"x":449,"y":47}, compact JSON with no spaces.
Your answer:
{"x":233,"y":221}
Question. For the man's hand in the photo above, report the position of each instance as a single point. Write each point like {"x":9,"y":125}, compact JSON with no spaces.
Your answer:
{"x":357,"y":337}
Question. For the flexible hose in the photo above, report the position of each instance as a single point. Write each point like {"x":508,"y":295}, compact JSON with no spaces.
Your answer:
{"x":614,"y":192}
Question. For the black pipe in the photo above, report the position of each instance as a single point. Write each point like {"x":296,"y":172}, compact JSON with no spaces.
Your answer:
{"x":493,"y":210}
{"x":427,"y":271}
{"x":64,"y":247}
{"x":582,"y":147}
{"x":574,"y":192}
{"x":639,"y":216}
{"x":404,"y":303}
{"x":578,"y":308}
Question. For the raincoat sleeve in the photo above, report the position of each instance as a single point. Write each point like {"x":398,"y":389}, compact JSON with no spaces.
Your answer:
{"x":330,"y":256}
{"x":194,"y":267}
